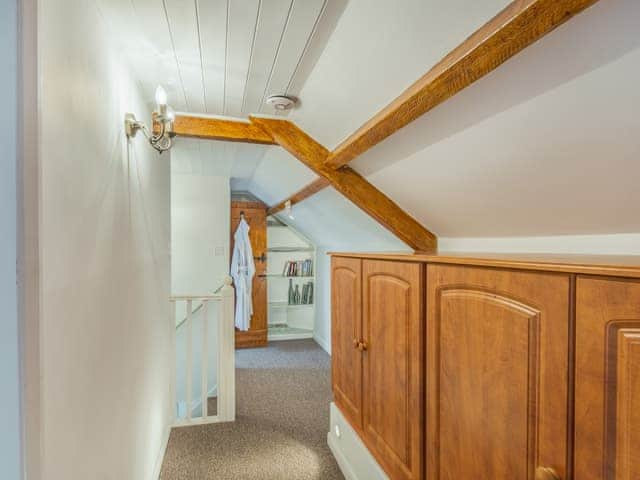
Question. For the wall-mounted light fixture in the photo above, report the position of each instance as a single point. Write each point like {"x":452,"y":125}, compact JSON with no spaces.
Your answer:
{"x":289,"y":209}
{"x":162,"y":129}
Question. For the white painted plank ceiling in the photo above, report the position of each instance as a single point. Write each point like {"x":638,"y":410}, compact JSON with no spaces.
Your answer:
{"x":221,"y":57}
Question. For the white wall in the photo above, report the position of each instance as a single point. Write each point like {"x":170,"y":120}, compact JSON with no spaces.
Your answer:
{"x":105,"y":269}
{"x":617,"y":244}
{"x":200,"y":232}
{"x":10,"y":456}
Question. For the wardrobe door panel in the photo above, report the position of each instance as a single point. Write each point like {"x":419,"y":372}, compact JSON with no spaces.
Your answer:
{"x":346,"y":331}
{"x":607,"y":416}
{"x":497,"y":373}
{"x":393,"y":320}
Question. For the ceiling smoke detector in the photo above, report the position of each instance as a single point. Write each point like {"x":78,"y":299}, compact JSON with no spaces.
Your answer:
{"x":281,"y":102}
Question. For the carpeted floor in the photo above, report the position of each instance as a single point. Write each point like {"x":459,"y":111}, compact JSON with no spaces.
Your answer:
{"x":283,"y":394}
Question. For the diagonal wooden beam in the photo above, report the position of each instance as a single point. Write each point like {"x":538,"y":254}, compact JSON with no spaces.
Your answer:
{"x":302,"y":194}
{"x":520,"y":24}
{"x":220,"y":129}
{"x":350,"y":183}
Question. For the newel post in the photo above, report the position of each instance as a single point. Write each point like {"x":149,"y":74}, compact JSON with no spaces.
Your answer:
{"x":226,"y":354}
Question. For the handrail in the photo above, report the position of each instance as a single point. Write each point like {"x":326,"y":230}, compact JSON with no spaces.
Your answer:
{"x":197,"y":309}
{"x":215,"y":297}
{"x":175,"y":298}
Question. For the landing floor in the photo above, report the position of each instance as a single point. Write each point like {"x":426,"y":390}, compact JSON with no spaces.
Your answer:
{"x":283,"y":394}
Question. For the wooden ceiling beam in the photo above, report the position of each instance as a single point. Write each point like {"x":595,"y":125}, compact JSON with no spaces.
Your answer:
{"x":302,"y":194}
{"x":520,"y":24}
{"x":350,"y":183}
{"x":220,"y":129}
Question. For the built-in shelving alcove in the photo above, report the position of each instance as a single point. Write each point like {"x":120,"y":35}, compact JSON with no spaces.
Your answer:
{"x":291,"y":282}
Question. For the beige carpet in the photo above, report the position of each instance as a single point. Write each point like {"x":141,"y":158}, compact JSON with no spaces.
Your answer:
{"x":283,"y":394}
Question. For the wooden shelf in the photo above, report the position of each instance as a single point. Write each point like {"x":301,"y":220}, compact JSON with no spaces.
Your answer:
{"x":286,"y":305}
{"x":289,"y":249}
{"x":279,"y":275}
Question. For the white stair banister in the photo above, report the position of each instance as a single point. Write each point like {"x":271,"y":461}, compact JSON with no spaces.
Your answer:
{"x":204,"y":368}
{"x":189,"y":357}
{"x":226,"y":355}
{"x":221,"y":303}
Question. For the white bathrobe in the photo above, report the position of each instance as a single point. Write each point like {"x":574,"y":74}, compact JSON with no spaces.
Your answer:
{"x":242,"y":271}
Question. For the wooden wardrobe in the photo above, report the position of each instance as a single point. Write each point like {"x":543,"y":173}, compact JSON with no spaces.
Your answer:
{"x":459,"y":367}
{"x":255,"y":214}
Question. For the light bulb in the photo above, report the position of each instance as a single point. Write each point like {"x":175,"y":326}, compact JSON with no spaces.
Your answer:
{"x":161,"y":96}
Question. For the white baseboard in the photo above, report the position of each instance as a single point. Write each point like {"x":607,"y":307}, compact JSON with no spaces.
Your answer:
{"x":353,"y":457}
{"x":163,"y":450}
{"x":343,"y":463}
{"x":326,"y":345}
{"x":288,"y":336}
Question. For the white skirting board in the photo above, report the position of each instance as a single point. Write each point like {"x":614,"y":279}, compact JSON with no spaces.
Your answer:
{"x":355,"y":461}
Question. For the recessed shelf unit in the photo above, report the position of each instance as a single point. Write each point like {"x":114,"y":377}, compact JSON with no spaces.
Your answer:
{"x":285,"y":246}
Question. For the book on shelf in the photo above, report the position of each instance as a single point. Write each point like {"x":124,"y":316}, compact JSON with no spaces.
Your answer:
{"x":298,"y":268}
{"x":299,"y":296}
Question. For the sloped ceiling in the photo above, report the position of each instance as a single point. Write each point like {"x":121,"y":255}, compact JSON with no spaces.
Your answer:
{"x":545,"y":145}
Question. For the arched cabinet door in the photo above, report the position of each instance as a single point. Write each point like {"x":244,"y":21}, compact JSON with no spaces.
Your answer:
{"x":346,"y":331}
{"x":393,"y":352}
{"x":497,"y":373}
{"x":607,"y":415}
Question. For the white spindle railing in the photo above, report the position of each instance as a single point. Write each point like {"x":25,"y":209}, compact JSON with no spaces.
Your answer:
{"x":224,"y":346}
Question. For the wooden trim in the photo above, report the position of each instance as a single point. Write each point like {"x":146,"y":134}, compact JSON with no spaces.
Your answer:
{"x":601,"y":265}
{"x":305,"y":192}
{"x":520,"y":24}
{"x":248,"y":204}
{"x":251,"y":338}
{"x":350,"y":183}
{"x":220,"y":129}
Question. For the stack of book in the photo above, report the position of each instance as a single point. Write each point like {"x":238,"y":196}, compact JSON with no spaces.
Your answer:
{"x":299,"y":268}
{"x":304,"y":297}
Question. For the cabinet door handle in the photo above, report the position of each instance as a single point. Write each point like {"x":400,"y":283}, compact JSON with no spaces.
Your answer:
{"x":356,"y":342}
{"x":546,"y":473}
{"x":362,"y":346}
